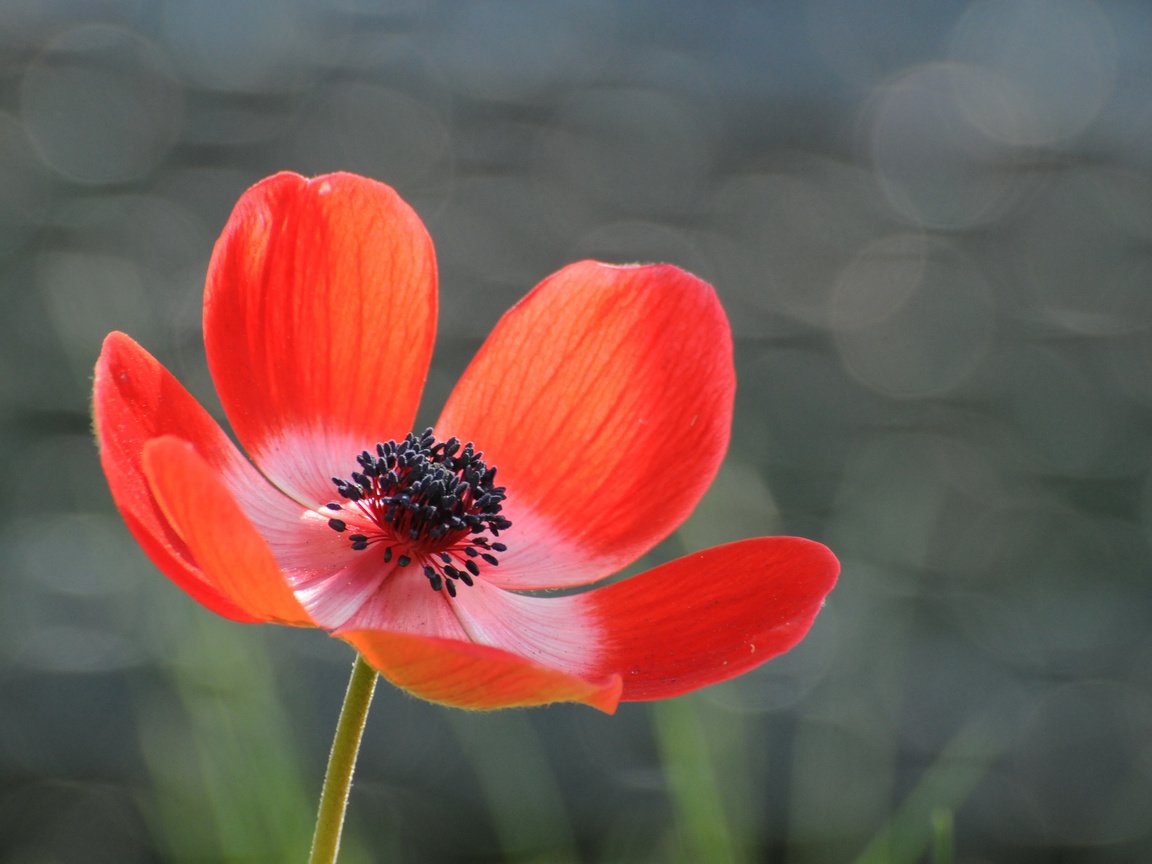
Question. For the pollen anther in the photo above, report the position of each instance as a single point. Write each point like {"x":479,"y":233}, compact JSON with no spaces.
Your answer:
{"x":434,"y":501}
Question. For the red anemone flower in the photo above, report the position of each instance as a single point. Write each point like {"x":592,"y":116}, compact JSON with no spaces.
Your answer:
{"x":604,"y":398}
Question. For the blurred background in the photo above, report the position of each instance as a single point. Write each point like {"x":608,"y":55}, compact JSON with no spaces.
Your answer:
{"x":931,"y":225}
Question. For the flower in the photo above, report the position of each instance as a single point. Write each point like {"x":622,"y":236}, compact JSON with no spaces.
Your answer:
{"x":584,"y":431}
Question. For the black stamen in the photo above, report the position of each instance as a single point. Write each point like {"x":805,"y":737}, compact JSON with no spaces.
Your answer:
{"x":436,"y":502}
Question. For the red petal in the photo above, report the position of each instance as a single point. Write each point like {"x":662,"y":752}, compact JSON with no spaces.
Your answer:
{"x":693,"y":622}
{"x":605,"y":400}
{"x":364,"y":593}
{"x":319,"y":319}
{"x":559,"y":632}
{"x":712,"y":615}
{"x":232,"y":555}
{"x":467,"y":675}
{"x":136,"y":399}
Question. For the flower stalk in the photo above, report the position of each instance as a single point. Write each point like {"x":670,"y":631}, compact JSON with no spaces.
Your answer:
{"x":342,"y":762}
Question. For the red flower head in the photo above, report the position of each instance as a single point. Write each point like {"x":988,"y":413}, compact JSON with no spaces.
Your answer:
{"x":603,"y":398}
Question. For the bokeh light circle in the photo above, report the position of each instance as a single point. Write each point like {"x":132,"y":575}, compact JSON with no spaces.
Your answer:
{"x":931,"y":340}
{"x":100,"y":105}
{"x":1054,"y":62}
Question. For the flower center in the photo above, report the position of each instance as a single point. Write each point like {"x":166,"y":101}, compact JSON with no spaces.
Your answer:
{"x":429,"y":503}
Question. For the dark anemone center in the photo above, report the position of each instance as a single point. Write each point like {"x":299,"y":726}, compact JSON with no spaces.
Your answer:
{"x":431,"y":502}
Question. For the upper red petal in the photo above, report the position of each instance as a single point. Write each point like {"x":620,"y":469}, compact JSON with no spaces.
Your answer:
{"x":604,"y":398}
{"x":231,"y":554}
{"x":467,"y":675}
{"x":136,"y":399}
{"x":712,"y":615}
{"x":319,"y":319}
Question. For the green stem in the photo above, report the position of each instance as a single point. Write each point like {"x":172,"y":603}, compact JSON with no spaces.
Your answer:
{"x":342,"y":762}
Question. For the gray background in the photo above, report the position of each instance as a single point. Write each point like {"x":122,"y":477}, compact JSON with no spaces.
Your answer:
{"x":931,"y":225}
